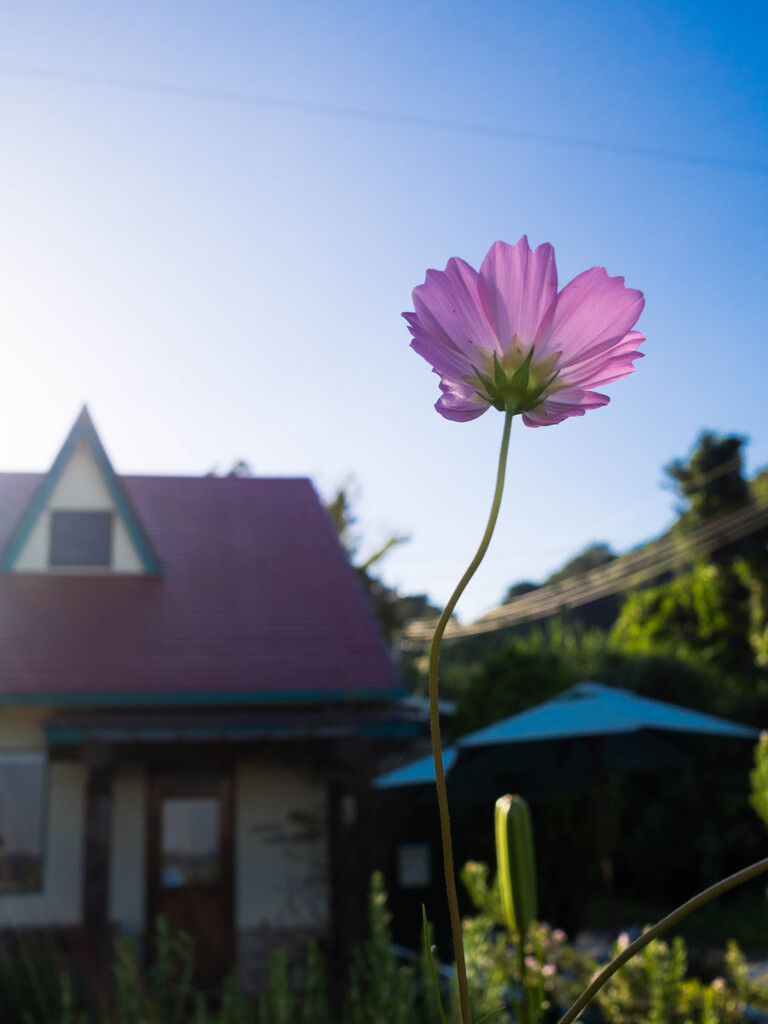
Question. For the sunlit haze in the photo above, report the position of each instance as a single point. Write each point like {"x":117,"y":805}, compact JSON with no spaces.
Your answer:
{"x":212,"y":216}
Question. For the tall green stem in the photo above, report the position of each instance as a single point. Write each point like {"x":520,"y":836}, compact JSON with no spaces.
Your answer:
{"x":434,"y":719}
{"x":658,"y":929}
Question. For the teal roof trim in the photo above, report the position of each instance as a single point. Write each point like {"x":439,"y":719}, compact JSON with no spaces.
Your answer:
{"x":202,"y":699}
{"x":230,"y":733}
{"x":83,"y":429}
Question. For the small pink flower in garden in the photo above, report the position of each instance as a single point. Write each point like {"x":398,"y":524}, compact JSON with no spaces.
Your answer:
{"x":505,"y":337}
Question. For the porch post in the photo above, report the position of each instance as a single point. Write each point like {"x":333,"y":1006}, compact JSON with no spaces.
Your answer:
{"x":98,"y":822}
{"x":350,"y":852}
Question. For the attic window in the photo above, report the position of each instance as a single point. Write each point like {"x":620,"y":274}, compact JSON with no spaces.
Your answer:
{"x":81,"y":539}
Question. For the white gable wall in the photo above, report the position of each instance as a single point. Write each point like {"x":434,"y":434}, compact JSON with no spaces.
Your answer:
{"x":81,"y":488}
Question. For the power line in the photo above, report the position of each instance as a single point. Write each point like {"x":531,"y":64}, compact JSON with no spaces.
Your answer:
{"x":623,"y":573}
{"x":311,"y":107}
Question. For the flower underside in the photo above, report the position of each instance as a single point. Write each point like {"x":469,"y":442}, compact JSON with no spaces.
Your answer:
{"x":504,"y":337}
{"x":514,"y":381}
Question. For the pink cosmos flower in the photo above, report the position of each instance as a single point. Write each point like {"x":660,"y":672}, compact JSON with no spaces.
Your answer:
{"x":505,"y":337}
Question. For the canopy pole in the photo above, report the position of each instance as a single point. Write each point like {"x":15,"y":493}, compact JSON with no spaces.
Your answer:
{"x":604,"y":843}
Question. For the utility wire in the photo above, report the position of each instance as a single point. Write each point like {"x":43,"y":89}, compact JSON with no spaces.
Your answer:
{"x":383,"y":117}
{"x":623,"y":573}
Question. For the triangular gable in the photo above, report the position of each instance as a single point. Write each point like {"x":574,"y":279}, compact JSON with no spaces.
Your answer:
{"x":81,"y":460}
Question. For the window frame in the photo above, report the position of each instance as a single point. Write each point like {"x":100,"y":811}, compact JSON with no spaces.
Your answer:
{"x":82,"y":566}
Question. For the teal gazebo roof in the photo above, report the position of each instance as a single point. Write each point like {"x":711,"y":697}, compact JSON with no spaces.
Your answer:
{"x":592,"y":709}
{"x":630,"y":729}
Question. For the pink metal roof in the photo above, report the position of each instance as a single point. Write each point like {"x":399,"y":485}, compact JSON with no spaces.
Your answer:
{"x":256,"y":601}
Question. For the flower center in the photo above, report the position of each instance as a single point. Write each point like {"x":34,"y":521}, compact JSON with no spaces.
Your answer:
{"x":515,"y":380}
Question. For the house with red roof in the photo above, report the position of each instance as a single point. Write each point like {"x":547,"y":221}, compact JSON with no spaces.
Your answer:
{"x":193,"y":697}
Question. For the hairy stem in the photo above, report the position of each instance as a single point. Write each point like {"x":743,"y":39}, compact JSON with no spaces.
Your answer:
{"x":434,"y":719}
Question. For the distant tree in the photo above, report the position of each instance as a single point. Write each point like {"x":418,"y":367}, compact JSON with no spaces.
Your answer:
{"x":711,"y":480}
{"x":753,"y":575}
{"x":758,"y":486}
{"x":518,"y":589}
{"x":522,"y":674}
{"x":713,"y":617}
{"x":239,"y":468}
{"x":391,"y":608}
{"x":592,"y":557}
{"x":343,"y":517}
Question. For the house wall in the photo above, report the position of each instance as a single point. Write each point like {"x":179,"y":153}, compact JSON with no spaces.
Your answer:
{"x":127,"y":850}
{"x":281,"y":893}
{"x":81,"y":487}
{"x":59,"y":902}
{"x":22,"y":728}
{"x":281,"y":863}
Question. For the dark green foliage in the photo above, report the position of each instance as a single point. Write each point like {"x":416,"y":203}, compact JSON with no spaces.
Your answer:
{"x":236,"y":1008}
{"x":592,"y":557}
{"x":276,"y":1006}
{"x":518,"y":589}
{"x":702,"y":616}
{"x":314,"y":1009}
{"x":522,"y":674}
{"x":655,"y":987}
{"x":169,"y":980}
{"x":381,"y":991}
{"x":759,"y":780}
{"x":35,"y":987}
{"x":32,"y":971}
{"x":711,"y":481}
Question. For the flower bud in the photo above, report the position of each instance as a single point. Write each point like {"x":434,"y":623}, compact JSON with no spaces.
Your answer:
{"x":516,"y":864}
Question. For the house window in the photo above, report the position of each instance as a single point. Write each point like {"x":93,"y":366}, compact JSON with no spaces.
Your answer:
{"x":190,"y":841}
{"x":81,"y":538}
{"x":414,"y":865}
{"x":22,"y":797}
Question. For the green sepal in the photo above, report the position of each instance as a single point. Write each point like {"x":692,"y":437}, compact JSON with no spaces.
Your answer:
{"x":522,"y":375}
{"x":490,"y":390}
{"x":499,"y":375}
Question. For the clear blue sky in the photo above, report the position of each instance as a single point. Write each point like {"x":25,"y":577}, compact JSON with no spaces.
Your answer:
{"x":221,"y":276}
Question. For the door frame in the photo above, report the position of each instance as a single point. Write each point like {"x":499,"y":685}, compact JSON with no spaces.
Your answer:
{"x":170,"y":784}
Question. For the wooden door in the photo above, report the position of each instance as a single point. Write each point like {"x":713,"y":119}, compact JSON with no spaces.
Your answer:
{"x":190,"y":869}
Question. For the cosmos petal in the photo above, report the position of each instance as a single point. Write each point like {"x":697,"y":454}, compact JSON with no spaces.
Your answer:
{"x":591,"y":313}
{"x":443,"y":359}
{"x":459,"y":402}
{"x":561,"y":406}
{"x":516,"y":288}
{"x":448,"y":299}
{"x":606,"y":367}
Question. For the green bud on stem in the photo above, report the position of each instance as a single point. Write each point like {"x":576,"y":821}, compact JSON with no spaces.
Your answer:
{"x":516,"y":864}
